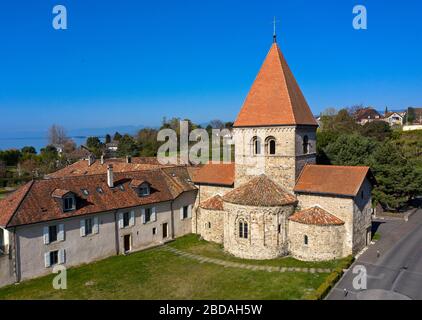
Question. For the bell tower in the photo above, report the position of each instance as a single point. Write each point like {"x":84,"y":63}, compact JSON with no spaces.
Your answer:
{"x":275,"y":131}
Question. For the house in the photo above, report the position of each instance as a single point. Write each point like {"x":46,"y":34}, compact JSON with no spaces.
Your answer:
{"x":365,"y":115}
{"x":80,"y":219}
{"x":394,"y":118}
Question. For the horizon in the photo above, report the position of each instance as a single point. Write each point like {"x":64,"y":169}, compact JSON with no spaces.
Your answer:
{"x":197,"y":62}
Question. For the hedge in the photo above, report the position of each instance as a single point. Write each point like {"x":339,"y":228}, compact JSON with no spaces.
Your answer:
{"x":331,"y":280}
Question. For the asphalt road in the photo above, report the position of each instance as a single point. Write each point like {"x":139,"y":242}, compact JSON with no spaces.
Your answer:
{"x":393,"y":264}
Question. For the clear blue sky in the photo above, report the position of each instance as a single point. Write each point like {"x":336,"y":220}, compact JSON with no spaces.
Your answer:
{"x":132,"y":62}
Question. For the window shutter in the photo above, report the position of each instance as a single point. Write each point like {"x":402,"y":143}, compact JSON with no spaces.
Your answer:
{"x":154,"y":214}
{"x":62,"y":256}
{"x":47,"y":259}
{"x":190,"y":211}
{"x":60,"y":235}
{"x":96,"y":227}
{"x":143,"y":216}
{"x":46,"y":235}
{"x":82,"y":229}
{"x":181,"y":213}
{"x":132,"y":218}
{"x":120,"y":220}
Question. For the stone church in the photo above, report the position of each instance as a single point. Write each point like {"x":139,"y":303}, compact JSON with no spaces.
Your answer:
{"x":274,"y":200}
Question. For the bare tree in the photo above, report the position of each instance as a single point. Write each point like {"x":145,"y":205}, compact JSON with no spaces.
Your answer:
{"x":57,"y":135}
{"x":217,"y":124}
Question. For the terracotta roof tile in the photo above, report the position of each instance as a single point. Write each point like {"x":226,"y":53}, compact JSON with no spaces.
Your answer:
{"x":215,"y":174}
{"x":260,"y":192}
{"x":334,"y":180}
{"x":60,"y":193}
{"x":275,"y":97}
{"x":34,"y":202}
{"x":214,"y":203}
{"x":316,"y":216}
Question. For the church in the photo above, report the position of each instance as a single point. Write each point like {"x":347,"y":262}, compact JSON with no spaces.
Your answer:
{"x":274,"y":200}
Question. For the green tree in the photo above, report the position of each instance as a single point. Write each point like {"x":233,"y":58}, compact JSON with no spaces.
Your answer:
{"x":117,"y":136}
{"x":379,"y":130}
{"x":128,"y":146}
{"x":28,"y":150}
{"x":107,"y":138}
{"x":147,"y":141}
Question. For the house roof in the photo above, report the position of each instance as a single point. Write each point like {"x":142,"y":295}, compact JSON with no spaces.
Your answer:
{"x":34,"y":202}
{"x":334,"y":180}
{"x":367,"y":113}
{"x":261,"y":191}
{"x":316,"y":216}
{"x":275,"y":97}
{"x":60,"y":193}
{"x":215,"y":174}
{"x":389,"y":114}
{"x":82,"y":167}
{"x":215,"y":203}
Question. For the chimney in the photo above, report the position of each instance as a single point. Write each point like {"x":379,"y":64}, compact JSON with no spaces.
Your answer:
{"x":102,"y":159}
{"x":128,"y":159}
{"x":91,"y":160}
{"x":110,"y":180}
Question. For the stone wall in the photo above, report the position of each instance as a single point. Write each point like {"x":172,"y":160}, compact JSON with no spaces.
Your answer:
{"x":324,"y":242}
{"x":362,"y":217}
{"x":7,"y":270}
{"x":211,"y":225}
{"x":285,"y":166}
{"x":264,"y":241}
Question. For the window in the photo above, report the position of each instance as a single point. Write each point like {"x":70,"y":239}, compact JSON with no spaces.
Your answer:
{"x":144,"y":190}
{"x":243,"y":230}
{"x":279,"y":228}
{"x":256,"y":146}
{"x":148,"y":215}
{"x":362,"y":195}
{"x":209,"y":225}
{"x":154,"y":231}
{"x":88,"y":226}
{"x":52,"y":234}
{"x":100,"y":190}
{"x":69,"y":203}
{"x":305,"y":145}
{"x":126,"y":219}
{"x":122,"y":187}
{"x":1,"y":241}
{"x":54,"y":258}
{"x":271,"y":145}
{"x":306,"y":241}
{"x":185,"y":212}
{"x":85,"y":192}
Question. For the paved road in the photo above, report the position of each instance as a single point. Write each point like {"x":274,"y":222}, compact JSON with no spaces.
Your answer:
{"x":394,"y":264}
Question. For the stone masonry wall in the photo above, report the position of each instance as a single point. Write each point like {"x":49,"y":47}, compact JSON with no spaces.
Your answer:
{"x":362,"y":217}
{"x":211,"y":225}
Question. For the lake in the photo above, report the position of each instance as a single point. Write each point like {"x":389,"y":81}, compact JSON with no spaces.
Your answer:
{"x":36,"y":142}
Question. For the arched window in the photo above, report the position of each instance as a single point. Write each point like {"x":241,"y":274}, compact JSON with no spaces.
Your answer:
{"x":243,"y":230}
{"x":270,"y":144}
{"x":256,"y":145}
{"x":305,"y":145}
{"x":306,"y":240}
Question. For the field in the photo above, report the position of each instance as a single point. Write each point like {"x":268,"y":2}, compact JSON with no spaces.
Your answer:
{"x":161,"y":274}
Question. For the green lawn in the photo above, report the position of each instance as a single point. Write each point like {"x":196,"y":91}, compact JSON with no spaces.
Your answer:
{"x":160,"y":274}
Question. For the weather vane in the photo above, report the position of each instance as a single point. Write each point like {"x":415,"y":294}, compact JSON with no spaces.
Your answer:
{"x":275,"y":32}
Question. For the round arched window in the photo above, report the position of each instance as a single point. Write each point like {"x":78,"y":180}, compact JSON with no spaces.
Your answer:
{"x":305,"y":145}
{"x":256,"y":145}
{"x":270,"y":145}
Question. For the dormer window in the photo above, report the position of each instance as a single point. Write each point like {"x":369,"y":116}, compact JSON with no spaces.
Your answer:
{"x":143,"y":188}
{"x":69,"y":203}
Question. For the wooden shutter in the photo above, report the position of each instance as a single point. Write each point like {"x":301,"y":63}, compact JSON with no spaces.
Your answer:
{"x":82,"y":228}
{"x":46,"y":236}
{"x":143,"y":216}
{"x":62,"y":256}
{"x":190,"y":211}
{"x":181,"y":213}
{"x":96,"y":227}
{"x":132,"y":218}
{"x":120,"y":220}
{"x":153,"y":214}
{"x":47,"y":259}
{"x":60,"y":234}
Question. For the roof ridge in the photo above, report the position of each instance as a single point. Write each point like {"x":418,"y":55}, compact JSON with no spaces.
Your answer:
{"x":21,"y":201}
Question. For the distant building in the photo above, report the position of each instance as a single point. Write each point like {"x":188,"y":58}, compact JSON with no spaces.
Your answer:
{"x":394,"y":118}
{"x":363,"y":116}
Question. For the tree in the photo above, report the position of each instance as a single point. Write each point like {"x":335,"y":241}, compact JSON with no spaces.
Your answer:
{"x":107,"y":138}
{"x":127,"y":146}
{"x":2,"y":169}
{"x":350,"y":150}
{"x":410,"y":116}
{"x":57,"y":135}
{"x":217,"y":124}
{"x":28,"y":150}
{"x":330,"y":112}
{"x":69,"y":146}
{"x":10,"y":157}
{"x":95,"y":145}
{"x":147,"y":141}
{"x":379,"y":130}
{"x":117,"y":136}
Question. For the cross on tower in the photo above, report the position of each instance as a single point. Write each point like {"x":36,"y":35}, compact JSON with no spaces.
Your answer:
{"x":275,"y":33}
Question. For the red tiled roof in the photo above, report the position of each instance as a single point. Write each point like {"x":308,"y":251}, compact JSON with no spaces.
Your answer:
{"x":215,"y":174}
{"x":275,"y":97}
{"x":335,"y":180}
{"x":34,"y":202}
{"x":316,"y":216}
{"x":367,"y":113}
{"x":214,"y":203}
{"x":81,"y":167}
{"x":60,"y":193}
{"x":261,"y":191}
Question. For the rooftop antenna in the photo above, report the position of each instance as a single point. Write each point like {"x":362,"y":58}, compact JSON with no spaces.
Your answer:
{"x":275,"y":31}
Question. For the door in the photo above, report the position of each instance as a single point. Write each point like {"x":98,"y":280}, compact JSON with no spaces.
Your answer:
{"x":127,"y":243}
{"x":165,"y":233}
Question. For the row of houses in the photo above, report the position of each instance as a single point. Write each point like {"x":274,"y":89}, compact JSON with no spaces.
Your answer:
{"x":393,"y":118}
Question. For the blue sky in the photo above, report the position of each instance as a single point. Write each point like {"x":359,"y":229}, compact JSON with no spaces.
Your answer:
{"x":132,"y":62}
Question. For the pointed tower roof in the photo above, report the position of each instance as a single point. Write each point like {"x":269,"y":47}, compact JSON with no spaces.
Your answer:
{"x":275,"y":97}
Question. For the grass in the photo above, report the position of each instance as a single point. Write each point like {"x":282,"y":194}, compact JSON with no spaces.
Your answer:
{"x":376,"y":236}
{"x":160,"y":274}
